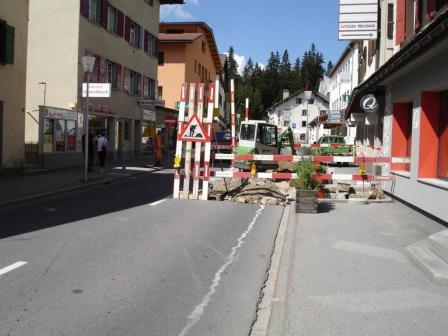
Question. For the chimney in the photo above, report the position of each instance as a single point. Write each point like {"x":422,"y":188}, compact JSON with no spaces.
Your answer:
{"x":285,"y":94}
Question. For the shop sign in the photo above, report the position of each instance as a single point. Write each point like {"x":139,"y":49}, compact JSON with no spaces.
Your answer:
{"x":151,"y":102}
{"x":102,"y":108}
{"x":55,"y":113}
{"x":149,"y":115}
{"x":178,"y":105}
{"x":358,"y":20}
{"x":369,"y":103}
{"x":97,"y":90}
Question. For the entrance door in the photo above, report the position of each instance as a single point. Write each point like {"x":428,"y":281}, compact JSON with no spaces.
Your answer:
{"x":1,"y":133}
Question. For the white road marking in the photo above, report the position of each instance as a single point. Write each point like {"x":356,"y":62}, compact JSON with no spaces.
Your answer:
{"x":160,"y":201}
{"x":198,"y":311}
{"x":12,"y":267}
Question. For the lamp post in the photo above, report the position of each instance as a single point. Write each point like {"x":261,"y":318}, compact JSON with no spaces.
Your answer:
{"x":45,"y":90}
{"x":87,"y":64}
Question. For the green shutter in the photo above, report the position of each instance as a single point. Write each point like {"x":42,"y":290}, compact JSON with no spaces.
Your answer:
{"x":10,"y":45}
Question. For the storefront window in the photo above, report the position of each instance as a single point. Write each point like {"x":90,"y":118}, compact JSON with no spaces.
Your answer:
{"x":48,"y":135}
{"x":60,"y":135}
{"x":71,"y":135}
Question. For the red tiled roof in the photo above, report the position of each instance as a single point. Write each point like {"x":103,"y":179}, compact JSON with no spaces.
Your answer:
{"x":185,"y":37}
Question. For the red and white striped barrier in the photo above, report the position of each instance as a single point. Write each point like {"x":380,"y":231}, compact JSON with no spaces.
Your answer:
{"x":321,"y":145}
{"x":315,"y":158}
{"x":198,"y":145}
{"x":179,"y":143}
{"x":290,"y":176}
{"x":232,"y":111}
{"x":208,"y":125}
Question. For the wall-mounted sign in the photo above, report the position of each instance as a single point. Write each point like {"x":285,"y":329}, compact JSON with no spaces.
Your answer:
{"x":149,"y":115}
{"x":358,"y":20}
{"x":369,"y":103}
{"x":293,"y":125}
{"x":97,"y":90}
{"x":151,"y":102}
{"x":56,"y":113}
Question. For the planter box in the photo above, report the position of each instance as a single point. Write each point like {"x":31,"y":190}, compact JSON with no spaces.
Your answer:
{"x":306,"y":201}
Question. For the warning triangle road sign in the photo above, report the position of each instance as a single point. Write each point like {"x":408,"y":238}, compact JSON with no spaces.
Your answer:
{"x":194,"y":131}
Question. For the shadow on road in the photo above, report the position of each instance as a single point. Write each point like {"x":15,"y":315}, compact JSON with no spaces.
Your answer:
{"x":83,"y":204}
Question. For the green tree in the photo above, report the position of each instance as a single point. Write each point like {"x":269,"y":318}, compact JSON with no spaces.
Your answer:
{"x":330,"y":68}
{"x":232,"y":65}
{"x":312,"y":70}
{"x":248,"y":71}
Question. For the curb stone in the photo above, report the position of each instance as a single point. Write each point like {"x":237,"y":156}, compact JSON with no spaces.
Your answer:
{"x":271,"y":309}
{"x":65,"y":189}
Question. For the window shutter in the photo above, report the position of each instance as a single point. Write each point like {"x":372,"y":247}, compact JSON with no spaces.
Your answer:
{"x":10,"y":32}
{"x":142,"y":37}
{"x":145,"y":87}
{"x":102,"y":78}
{"x":146,"y":41}
{"x":401,"y":22}
{"x":127,"y":80}
{"x":85,"y":8}
{"x":127,"y":29}
{"x":431,"y":8}
{"x":2,"y":42}
{"x":120,"y":24}
{"x":119,"y":76}
{"x":104,"y":13}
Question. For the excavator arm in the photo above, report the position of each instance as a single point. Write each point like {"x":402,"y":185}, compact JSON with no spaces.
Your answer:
{"x":287,"y":134}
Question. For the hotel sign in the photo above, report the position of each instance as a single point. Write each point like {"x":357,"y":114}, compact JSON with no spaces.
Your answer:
{"x":358,"y":20}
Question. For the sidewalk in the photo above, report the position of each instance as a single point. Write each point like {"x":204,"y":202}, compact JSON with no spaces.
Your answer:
{"x":348,"y":274}
{"x":15,"y":188}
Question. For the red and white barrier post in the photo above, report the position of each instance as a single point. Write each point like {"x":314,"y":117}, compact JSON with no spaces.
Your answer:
{"x":246,"y":110}
{"x":232,"y":112}
{"x":208,"y":126}
{"x":198,"y":145}
{"x":179,"y":143}
{"x":189,"y":145}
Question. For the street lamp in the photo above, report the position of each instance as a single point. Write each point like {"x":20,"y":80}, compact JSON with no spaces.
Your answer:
{"x":87,"y":64}
{"x":45,"y":90}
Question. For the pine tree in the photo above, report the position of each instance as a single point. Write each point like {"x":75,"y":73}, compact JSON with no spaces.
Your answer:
{"x":248,"y":71}
{"x":232,"y":68}
{"x":330,"y":68}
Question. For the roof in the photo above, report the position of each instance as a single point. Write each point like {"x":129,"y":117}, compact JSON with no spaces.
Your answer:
{"x":317,"y":94}
{"x":341,"y":58}
{"x":185,"y":37}
{"x":423,"y":41}
{"x":172,"y":2}
{"x":208,"y":33}
{"x":223,"y":58}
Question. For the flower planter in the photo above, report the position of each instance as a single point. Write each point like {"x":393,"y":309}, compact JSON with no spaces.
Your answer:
{"x":306,"y":201}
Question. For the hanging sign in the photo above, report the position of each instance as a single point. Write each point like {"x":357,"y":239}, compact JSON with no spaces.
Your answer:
{"x":358,"y":20}
{"x":369,"y":103}
{"x":194,"y":131}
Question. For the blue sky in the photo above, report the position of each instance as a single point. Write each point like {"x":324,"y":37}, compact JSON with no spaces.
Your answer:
{"x":257,"y":27}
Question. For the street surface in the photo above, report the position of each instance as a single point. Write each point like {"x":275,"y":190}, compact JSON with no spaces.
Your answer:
{"x":120,"y":259}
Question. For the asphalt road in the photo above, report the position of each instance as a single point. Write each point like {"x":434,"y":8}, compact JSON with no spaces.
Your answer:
{"x":104,"y":261}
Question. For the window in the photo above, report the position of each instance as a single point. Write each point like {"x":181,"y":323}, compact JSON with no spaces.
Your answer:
{"x":304,"y":113}
{"x":135,"y":34}
{"x":161,"y":58}
{"x":312,"y":101}
{"x":298,"y":100}
{"x":134,"y":83}
{"x":390,"y":21}
{"x":59,"y":126}
{"x":94,"y":10}
{"x":303,"y":123}
{"x":112,"y":74}
{"x":247,"y":132}
{"x":152,"y":45}
{"x":48,"y":135}
{"x":302,"y":136}
{"x":112,"y":20}
{"x":203,"y":47}
{"x":149,"y":88}
{"x":71,"y":135}
{"x":160,"y":92}
{"x":6,"y":43}
{"x":286,"y":123}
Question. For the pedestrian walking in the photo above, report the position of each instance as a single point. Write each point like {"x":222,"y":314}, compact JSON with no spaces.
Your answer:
{"x":91,"y":148}
{"x":158,"y":153}
{"x":101,"y":144}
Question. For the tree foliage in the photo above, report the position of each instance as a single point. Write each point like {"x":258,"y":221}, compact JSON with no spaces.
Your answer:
{"x":264,"y":87}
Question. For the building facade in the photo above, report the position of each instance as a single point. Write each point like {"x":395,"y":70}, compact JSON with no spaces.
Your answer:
{"x":297,"y":111}
{"x":123,"y":40}
{"x":13,"y":46}
{"x":411,"y":88}
{"x":187,"y":53}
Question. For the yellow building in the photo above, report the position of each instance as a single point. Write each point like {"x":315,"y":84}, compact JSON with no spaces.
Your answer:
{"x":187,"y":53}
{"x":122,"y":36}
{"x":13,"y":44}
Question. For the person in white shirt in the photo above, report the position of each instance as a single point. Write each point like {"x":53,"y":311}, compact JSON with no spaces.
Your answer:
{"x":101,"y":145}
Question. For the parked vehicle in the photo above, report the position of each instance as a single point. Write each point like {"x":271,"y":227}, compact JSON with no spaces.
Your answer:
{"x":334,"y":145}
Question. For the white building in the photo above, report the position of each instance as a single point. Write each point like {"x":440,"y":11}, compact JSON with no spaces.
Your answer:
{"x":297,"y":111}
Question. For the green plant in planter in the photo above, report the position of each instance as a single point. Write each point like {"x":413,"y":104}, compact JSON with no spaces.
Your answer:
{"x":305,"y":176}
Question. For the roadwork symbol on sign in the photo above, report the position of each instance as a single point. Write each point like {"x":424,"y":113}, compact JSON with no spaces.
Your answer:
{"x":194,"y":131}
